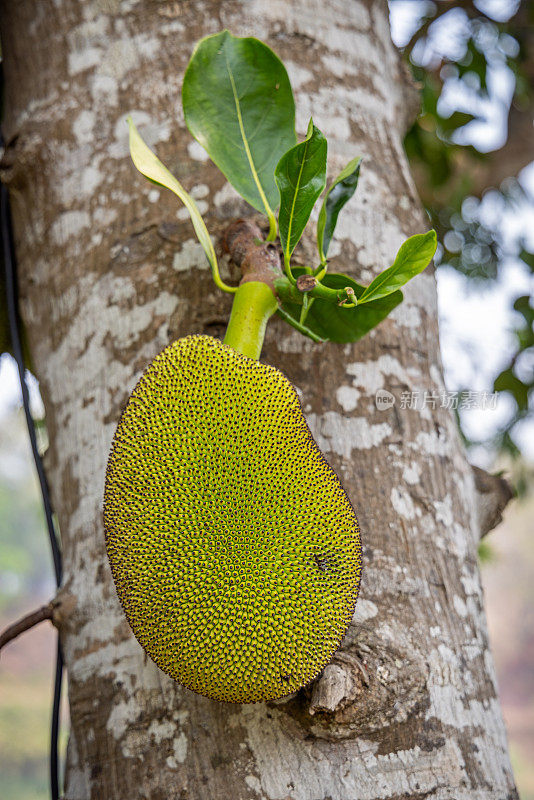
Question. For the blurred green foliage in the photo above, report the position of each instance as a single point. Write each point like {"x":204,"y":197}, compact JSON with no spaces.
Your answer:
{"x":452,"y":175}
{"x":24,"y":732}
{"x":25,"y":563}
{"x":486,"y":553}
{"x":25,"y":582}
{"x":24,"y":546}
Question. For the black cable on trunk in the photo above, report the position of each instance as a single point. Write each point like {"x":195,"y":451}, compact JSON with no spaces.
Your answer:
{"x":8,"y":252}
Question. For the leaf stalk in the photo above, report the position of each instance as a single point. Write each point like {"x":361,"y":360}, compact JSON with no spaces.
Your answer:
{"x":253,"y":306}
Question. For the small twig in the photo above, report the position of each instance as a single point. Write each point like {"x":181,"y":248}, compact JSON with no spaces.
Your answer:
{"x":27,"y":622}
{"x":305,"y":283}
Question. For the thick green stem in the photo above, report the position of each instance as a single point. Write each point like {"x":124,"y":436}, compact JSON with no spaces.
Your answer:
{"x":254,"y":303}
{"x":289,"y":292}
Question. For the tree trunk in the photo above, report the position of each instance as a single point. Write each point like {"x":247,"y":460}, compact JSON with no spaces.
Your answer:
{"x":110,"y":273}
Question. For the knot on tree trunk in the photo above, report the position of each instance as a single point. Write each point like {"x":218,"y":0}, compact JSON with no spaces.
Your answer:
{"x":258,"y":260}
{"x":365,"y":690}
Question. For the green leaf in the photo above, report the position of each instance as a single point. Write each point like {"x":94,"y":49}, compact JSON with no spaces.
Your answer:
{"x":326,"y":321}
{"x":507,"y":381}
{"x":457,"y":119}
{"x":486,"y":553}
{"x":301,"y":177}
{"x":336,"y":197}
{"x":474,"y":61}
{"x":523,"y":304}
{"x":414,"y":255}
{"x":528,"y":258}
{"x":239,"y":106}
{"x":152,"y":168}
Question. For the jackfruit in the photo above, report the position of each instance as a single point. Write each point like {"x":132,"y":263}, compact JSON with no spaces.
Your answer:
{"x":235,"y":551}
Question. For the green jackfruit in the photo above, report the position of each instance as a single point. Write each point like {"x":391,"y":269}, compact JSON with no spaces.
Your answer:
{"x":235,"y":551}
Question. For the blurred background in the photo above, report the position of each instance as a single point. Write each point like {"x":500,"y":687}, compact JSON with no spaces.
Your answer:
{"x":472,"y":156}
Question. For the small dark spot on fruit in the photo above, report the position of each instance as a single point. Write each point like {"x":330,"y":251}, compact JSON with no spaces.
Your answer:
{"x":322,"y":563}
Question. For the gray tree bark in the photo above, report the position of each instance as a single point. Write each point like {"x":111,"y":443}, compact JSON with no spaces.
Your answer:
{"x":110,"y":272}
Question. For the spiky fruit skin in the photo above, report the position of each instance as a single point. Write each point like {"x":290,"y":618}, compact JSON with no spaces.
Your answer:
{"x":235,"y":551}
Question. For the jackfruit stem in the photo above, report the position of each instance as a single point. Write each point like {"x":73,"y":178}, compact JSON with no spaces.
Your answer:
{"x":254,"y":303}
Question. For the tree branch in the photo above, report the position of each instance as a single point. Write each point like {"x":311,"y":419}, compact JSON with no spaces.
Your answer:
{"x":518,"y":150}
{"x":493,"y":494}
{"x":27,"y":622}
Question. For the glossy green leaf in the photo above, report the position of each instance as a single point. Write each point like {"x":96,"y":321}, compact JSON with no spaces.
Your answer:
{"x":152,"y":168}
{"x":414,"y":255}
{"x":301,"y":177}
{"x":239,"y":106}
{"x":326,"y":321}
{"x":336,"y":197}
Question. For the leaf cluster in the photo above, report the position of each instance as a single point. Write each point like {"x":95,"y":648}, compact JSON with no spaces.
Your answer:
{"x":238,"y":104}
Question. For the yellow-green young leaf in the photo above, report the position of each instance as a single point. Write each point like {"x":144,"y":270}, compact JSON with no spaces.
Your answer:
{"x":414,"y":255}
{"x":152,"y":168}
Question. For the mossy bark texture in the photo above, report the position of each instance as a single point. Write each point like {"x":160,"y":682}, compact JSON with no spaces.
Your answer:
{"x":110,"y":272}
